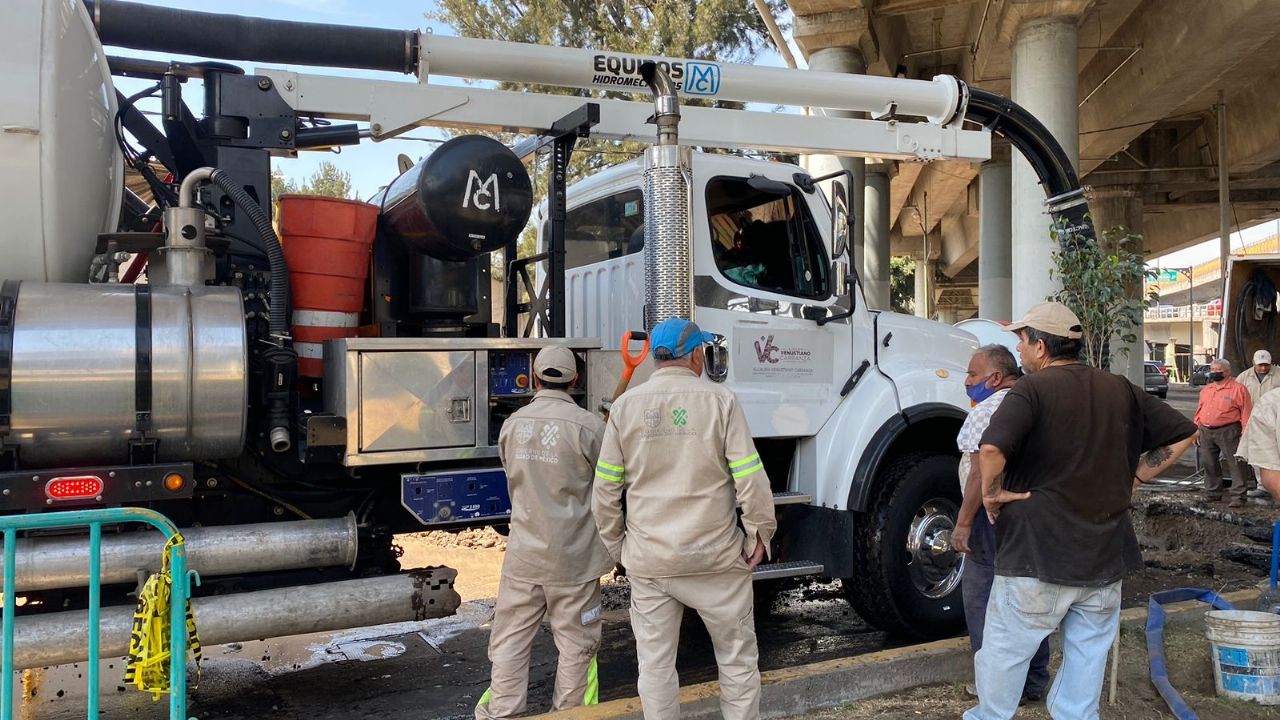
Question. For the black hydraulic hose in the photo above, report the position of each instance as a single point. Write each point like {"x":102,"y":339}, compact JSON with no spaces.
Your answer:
{"x":279,"y":322}
{"x":1030,"y":137}
{"x":232,"y":37}
{"x":280,"y":362}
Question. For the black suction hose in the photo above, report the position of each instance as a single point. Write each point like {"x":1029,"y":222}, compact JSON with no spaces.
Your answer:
{"x":280,"y":362}
{"x":1030,"y":137}
{"x":279,"y":322}
{"x":234,"y":37}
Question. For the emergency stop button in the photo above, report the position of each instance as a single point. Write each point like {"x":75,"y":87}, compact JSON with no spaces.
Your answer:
{"x":522,"y":381}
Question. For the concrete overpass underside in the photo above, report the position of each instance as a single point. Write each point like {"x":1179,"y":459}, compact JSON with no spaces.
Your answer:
{"x":1147,"y":84}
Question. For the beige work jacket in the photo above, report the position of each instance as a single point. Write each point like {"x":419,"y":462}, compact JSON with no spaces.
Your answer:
{"x":1258,"y":388}
{"x":680,"y":448}
{"x":548,"y":449}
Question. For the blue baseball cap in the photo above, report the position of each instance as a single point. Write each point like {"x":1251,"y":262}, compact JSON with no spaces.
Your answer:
{"x":677,"y":337}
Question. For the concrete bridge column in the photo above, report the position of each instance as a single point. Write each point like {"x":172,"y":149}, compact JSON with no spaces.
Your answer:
{"x":924,"y":288}
{"x":876,"y":249}
{"x":995,"y":238}
{"x":1044,"y":82}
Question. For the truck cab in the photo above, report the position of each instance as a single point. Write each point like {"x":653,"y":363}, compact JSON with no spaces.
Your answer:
{"x":854,"y":410}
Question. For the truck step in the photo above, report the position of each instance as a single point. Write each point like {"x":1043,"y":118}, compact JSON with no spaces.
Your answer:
{"x":792,"y":568}
{"x":792,"y":498}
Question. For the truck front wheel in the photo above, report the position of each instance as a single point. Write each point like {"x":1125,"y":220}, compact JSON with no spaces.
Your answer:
{"x":906,"y":577}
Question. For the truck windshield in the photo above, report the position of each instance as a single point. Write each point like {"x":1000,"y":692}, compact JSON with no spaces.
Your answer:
{"x":766,"y":241}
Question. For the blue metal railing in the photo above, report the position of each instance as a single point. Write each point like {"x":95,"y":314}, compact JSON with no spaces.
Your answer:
{"x":94,"y":520}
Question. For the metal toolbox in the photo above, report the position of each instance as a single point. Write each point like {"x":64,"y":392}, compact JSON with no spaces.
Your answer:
{"x":425,"y":399}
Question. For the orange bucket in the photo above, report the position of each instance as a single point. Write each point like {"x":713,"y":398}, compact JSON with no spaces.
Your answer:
{"x":326,"y":245}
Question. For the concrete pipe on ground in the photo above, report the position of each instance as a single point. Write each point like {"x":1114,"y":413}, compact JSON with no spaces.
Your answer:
{"x":60,"y":638}
{"x":63,"y":562}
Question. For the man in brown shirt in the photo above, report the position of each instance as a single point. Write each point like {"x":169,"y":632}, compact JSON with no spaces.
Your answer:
{"x":1058,"y":463}
{"x":1223,"y":413}
{"x":680,"y":448}
{"x":554,"y":556}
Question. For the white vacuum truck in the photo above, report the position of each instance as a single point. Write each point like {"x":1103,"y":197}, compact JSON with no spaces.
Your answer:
{"x":205,"y":393}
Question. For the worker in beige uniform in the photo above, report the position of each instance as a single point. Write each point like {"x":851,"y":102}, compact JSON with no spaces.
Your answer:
{"x":1260,"y":443}
{"x":554,"y":556}
{"x":679,"y":447}
{"x":1258,"y":380}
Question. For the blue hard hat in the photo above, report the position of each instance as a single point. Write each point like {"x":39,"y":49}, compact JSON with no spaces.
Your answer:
{"x":678,"y":337}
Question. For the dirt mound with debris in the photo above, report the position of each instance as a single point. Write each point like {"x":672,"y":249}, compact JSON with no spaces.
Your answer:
{"x":469,"y":539}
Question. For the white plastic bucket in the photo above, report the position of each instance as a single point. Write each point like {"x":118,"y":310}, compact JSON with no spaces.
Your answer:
{"x":1245,"y":645}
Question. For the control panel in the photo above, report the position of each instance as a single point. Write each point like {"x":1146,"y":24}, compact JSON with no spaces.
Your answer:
{"x":446,"y":498}
{"x":510,"y":374}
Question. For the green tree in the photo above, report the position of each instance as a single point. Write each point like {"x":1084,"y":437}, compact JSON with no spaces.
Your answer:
{"x":902,"y":284}
{"x":281,"y":185}
{"x":328,"y":180}
{"x":331,"y":181}
{"x":1100,"y":279}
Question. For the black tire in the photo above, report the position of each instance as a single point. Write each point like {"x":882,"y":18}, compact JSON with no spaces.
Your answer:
{"x":916,"y":491}
{"x":1163,"y":394}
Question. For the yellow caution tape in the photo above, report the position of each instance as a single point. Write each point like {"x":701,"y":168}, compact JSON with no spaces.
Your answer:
{"x":147,"y":666}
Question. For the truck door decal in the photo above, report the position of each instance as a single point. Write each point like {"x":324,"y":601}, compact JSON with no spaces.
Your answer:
{"x":787,"y":356}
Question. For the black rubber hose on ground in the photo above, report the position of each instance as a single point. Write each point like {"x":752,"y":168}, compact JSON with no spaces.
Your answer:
{"x":279,"y":322}
{"x":231,"y":37}
{"x":1030,"y":137}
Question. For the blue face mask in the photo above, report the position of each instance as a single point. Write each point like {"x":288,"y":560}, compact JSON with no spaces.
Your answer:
{"x":980,"y":391}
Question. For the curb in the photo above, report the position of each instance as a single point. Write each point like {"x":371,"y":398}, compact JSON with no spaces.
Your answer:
{"x":833,"y":683}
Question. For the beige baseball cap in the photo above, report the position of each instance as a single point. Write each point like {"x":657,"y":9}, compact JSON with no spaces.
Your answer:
{"x":1262,"y":357}
{"x":1050,"y":317}
{"x":555,"y":364}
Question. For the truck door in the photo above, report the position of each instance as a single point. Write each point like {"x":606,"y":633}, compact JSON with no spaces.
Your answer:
{"x":763,"y":278}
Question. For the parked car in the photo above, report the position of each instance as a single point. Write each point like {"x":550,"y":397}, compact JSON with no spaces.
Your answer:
{"x":1200,"y":376}
{"x":1155,"y":380}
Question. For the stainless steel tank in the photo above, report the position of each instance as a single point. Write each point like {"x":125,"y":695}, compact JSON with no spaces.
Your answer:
{"x":75,"y":365}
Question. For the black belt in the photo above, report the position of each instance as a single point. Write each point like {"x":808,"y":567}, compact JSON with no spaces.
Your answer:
{"x":1219,"y":427}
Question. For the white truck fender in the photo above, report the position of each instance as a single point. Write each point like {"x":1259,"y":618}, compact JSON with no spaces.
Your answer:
{"x":919,"y":377}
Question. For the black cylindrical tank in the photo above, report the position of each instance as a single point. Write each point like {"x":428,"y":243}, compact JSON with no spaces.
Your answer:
{"x":470,"y":196}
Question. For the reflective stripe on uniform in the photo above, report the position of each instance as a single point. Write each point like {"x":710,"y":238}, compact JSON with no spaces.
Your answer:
{"x":592,"y":695}
{"x":746,"y":466}
{"x":612,"y":473}
{"x":486,"y":697}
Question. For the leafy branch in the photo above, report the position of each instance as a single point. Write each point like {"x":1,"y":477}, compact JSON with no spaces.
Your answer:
{"x":1101,"y":279}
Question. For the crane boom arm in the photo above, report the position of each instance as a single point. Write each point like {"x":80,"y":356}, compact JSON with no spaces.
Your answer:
{"x":393,"y":107}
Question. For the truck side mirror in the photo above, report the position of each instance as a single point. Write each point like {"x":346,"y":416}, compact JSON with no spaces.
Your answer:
{"x":716,"y":354}
{"x":840,"y":225}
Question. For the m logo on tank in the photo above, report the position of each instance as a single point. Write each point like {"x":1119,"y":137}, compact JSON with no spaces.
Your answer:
{"x":483,"y":194}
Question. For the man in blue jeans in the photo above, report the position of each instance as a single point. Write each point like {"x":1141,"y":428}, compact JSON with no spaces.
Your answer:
{"x":1059,"y":464}
{"x":992,"y":372}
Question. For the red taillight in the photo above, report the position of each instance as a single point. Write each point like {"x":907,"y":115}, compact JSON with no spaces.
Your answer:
{"x":74,"y":487}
